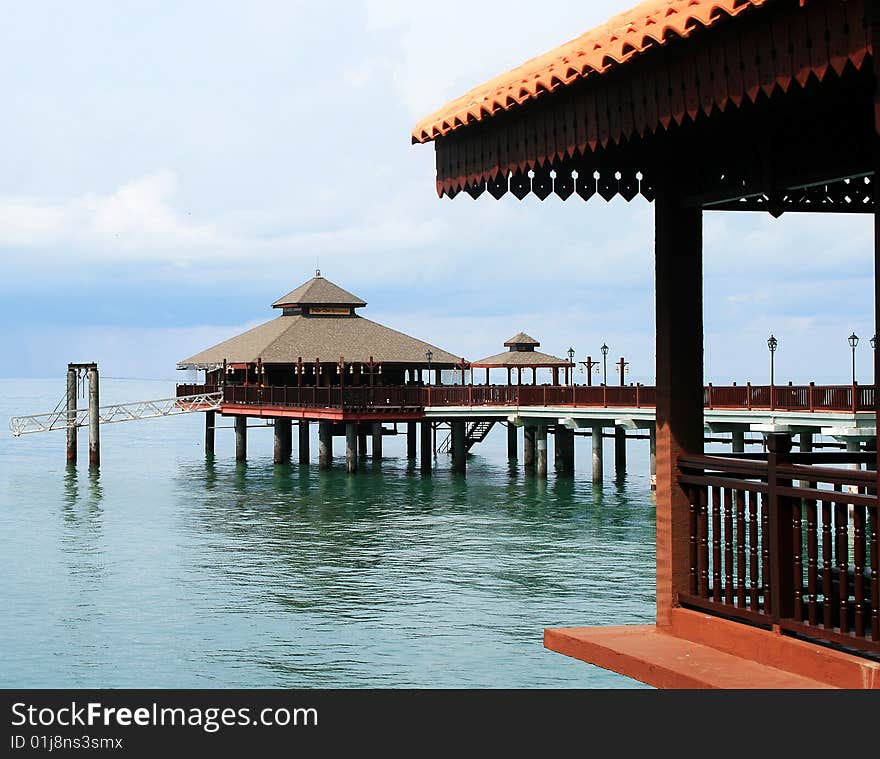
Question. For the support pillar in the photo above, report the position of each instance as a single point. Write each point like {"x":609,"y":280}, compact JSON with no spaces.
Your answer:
{"x":351,"y":454}
{"x":94,"y":423}
{"x":282,"y":440}
{"x":377,"y":441}
{"x":362,"y":443}
{"x":541,"y":452}
{"x":304,"y":442}
{"x":459,"y":451}
{"x":598,"y":451}
{"x":325,"y":445}
{"x":71,"y":415}
{"x":738,"y":442}
{"x":619,"y":451}
{"x":529,"y":448}
{"x":425,"y":446}
{"x":512,"y":443}
{"x":565,"y":449}
{"x":241,"y":438}
{"x":210,"y":417}
{"x":411,"y":440}
{"x":679,"y":345}
{"x":805,"y":443}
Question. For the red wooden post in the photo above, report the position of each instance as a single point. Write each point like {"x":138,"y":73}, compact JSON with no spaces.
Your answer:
{"x":710,"y":395}
{"x":810,"y":394}
{"x":749,"y":396}
{"x":780,"y":539}
{"x":638,"y":402}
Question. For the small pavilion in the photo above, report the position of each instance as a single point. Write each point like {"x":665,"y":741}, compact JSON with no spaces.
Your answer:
{"x":522,"y":354}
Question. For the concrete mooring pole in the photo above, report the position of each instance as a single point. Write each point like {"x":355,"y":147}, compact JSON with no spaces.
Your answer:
{"x":94,"y":422}
{"x":241,"y":438}
{"x":411,"y":440}
{"x":425,"y":446}
{"x":283,"y":435}
{"x":512,"y":442}
{"x":71,"y":414}
{"x":351,"y":446}
{"x":325,"y":445}
{"x":459,"y":451}
{"x":541,"y":451}
{"x":303,"y":441}
{"x":598,"y":450}
{"x":209,"y":432}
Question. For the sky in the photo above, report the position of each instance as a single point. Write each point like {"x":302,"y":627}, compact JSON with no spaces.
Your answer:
{"x":167,"y":170}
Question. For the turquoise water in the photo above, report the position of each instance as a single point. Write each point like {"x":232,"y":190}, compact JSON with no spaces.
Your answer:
{"x":169,"y":571}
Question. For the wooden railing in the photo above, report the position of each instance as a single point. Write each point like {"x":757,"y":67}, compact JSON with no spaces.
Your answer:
{"x":788,"y":540}
{"x":815,"y":398}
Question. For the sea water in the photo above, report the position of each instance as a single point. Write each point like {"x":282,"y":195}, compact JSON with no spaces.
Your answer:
{"x":168,"y":570}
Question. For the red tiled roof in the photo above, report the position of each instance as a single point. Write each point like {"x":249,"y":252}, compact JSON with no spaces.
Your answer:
{"x":622,"y":38}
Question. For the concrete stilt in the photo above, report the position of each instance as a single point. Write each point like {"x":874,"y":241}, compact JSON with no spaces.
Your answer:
{"x":598,"y":464}
{"x":210,"y":417}
{"x":425,"y":447}
{"x":652,"y":455}
{"x":71,"y":415}
{"x":541,"y":451}
{"x":362,"y":442}
{"x":304,"y":442}
{"x":377,"y":441}
{"x":241,"y":438}
{"x":351,"y":455}
{"x":805,"y":443}
{"x":619,"y":451}
{"x":738,"y":441}
{"x":282,"y":440}
{"x":459,"y":452}
{"x":565,"y":447}
{"x":325,"y":445}
{"x":411,"y":440}
{"x":529,"y":448}
{"x":512,"y":443}
{"x":94,"y":424}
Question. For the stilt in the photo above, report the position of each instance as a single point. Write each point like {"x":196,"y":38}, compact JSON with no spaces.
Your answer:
{"x":209,"y":432}
{"x":425,"y":446}
{"x":619,"y":451}
{"x":377,"y":442}
{"x":459,"y":452}
{"x":282,"y":440}
{"x":94,"y":423}
{"x":411,"y":440}
{"x":351,"y":457}
{"x":325,"y":445}
{"x":304,"y":441}
{"x":529,"y":448}
{"x":738,"y":442}
{"x":652,"y":455}
{"x":241,"y":438}
{"x":71,"y":415}
{"x":512,"y":443}
{"x":541,"y":451}
{"x":362,"y":441}
{"x":565,"y":446}
{"x":805,"y":443}
{"x":598,"y":451}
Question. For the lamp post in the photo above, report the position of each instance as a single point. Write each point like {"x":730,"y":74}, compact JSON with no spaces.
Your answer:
{"x":604,"y":364}
{"x":571,"y":365}
{"x":772,"y":342}
{"x":853,"y":341}
{"x":429,"y":354}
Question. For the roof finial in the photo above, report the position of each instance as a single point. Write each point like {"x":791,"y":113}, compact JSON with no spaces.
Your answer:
{"x":317,"y":272}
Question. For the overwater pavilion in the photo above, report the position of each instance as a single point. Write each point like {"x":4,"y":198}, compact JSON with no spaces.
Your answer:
{"x":522,"y":354}
{"x":767,"y":566}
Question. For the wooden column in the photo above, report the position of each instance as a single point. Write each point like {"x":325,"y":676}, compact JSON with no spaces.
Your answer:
{"x":679,"y":346}
{"x":325,"y":445}
{"x":282,"y":440}
{"x":241,"y":438}
{"x":459,"y":451}
{"x":210,"y":417}
{"x":71,"y":414}
{"x":410,"y":440}
{"x":425,"y":446}
{"x":351,"y":454}
{"x":512,"y":445}
{"x":303,"y":441}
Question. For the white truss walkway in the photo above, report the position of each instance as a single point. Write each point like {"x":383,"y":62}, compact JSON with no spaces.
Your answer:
{"x":119,"y":412}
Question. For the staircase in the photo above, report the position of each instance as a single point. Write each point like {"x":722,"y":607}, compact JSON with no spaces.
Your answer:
{"x":476,"y":433}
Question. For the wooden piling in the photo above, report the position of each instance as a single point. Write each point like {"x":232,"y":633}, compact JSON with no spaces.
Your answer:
{"x":71,"y":415}
{"x":94,"y":420}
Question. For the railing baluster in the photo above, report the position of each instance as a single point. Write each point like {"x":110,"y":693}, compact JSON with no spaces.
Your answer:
{"x":703,"y":540}
{"x":692,"y":540}
{"x":841,"y":524}
{"x":765,"y":554}
{"x":740,"y":549}
{"x":827,"y":620}
{"x":797,"y":539}
{"x":859,"y":568}
{"x":716,"y":543}
{"x":875,"y":574}
{"x":812,"y":561}
{"x":753,"y":551}
{"x":728,"y":548}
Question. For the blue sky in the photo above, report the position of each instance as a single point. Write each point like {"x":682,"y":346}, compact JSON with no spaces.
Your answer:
{"x":169,"y":169}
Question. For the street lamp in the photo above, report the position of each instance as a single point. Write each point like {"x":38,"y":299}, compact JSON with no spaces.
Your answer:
{"x":429,"y":354}
{"x":604,"y":350}
{"x":772,"y":342}
{"x":853,"y":340}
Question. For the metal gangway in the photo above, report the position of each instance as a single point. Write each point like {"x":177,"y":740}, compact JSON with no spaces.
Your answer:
{"x":62,"y":419}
